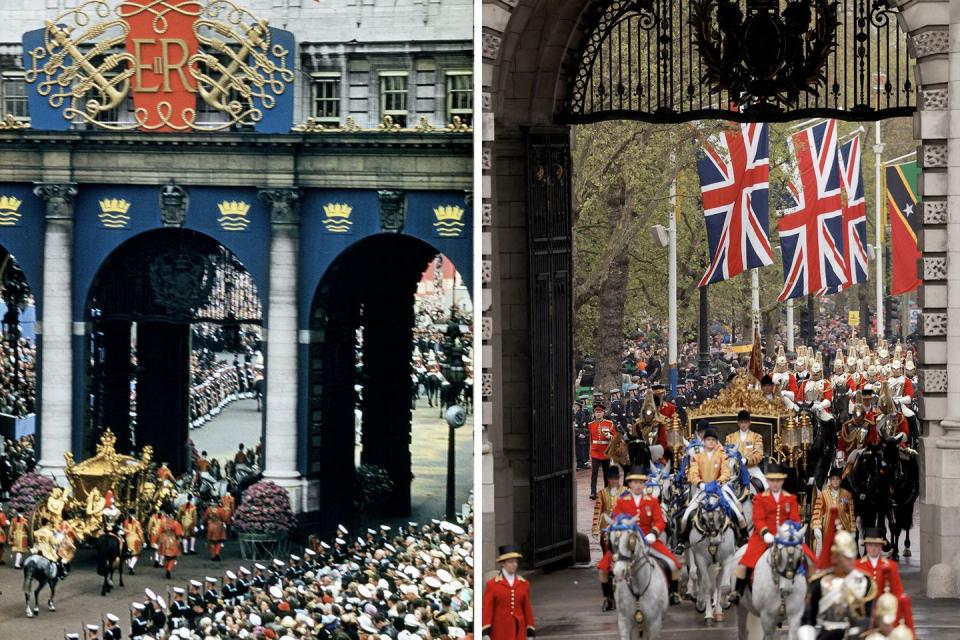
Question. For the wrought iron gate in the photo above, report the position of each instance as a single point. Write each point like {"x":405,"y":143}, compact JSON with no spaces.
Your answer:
{"x":551,"y":347}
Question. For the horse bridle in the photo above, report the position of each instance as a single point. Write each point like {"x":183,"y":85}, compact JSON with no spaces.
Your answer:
{"x":710,"y":533}
{"x":794,"y":558}
{"x":636,"y":561}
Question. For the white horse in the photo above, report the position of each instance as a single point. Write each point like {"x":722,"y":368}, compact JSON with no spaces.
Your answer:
{"x":779,"y":586}
{"x":740,"y":482}
{"x":712,"y":548}
{"x":641,"y":587}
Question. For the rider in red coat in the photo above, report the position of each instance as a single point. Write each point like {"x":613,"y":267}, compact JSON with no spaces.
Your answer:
{"x":770,"y":510}
{"x":507,"y":613}
{"x":647,"y":512}
{"x":884,"y":572}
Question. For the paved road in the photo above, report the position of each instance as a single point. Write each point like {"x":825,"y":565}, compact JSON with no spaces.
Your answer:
{"x":567,"y":602}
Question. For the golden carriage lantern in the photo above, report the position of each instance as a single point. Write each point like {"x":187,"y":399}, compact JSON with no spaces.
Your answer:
{"x":790,"y":440}
{"x":675,"y":440}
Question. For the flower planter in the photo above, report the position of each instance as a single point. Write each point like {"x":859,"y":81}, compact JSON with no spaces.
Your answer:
{"x":263,"y":546}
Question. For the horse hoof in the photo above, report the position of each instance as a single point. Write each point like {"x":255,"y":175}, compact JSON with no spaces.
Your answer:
{"x":709,"y":622}
{"x":907,"y":553}
{"x":51,"y":608}
{"x":36,"y":611}
{"x":718,"y":616}
{"x":700,"y":608}
{"x":29,"y":613}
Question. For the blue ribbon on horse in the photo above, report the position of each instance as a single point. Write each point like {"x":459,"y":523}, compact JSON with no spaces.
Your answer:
{"x":624,"y":522}
{"x":795,"y":541}
{"x":732,"y":451}
{"x":713,"y":488}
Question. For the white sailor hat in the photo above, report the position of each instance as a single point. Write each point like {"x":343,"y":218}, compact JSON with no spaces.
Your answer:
{"x":340,"y":541}
{"x":210,"y":580}
{"x":255,"y":619}
{"x":389,"y":547}
{"x":444,"y":575}
{"x":112,"y":618}
{"x":445,"y":548}
{"x":278,"y":562}
{"x":139,"y":606}
{"x":384,"y":527}
{"x":295,"y":557}
{"x":411,"y":621}
{"x":364,"y":591}
{"x":309,"y":552}
{"x":231,"y":575}
{"x":196,"y":583}
{"x":361,"y":542}
{"x":456,"y":632}
{"x":433,"y":582}
{"x":324,"y":545}
{"x":178,"y":590}
{"x":245,"y":571}
{"x":426,"y":557}
{"x":160,"y":601}
{"x":71,"y":636}
{"x":93,"y":627}
{"x":412,"y":524}
{"x":342,"y":529}
{"x":276,"y":592}
{"x":366,"y":624}
{"x":257,"y":565}
{"x":371,"y":531}
{"x":150,"y":594}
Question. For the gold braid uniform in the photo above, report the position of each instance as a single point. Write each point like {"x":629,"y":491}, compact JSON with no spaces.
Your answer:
{"x":825,"y":500}
{"x":603,"y":507}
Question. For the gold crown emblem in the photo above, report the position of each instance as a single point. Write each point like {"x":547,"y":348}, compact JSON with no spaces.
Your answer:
{"x":450,"y":213}
{"x":9,"y":211}
{"x":10,"y":203}
{"x":114,"y":205}
{"x":235,"y":209}
{"x":338,"y":210}
{"x":338,"y":217}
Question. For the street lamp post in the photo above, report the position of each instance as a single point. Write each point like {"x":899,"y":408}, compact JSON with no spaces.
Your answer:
{"x":455,"y":372}
{"x":704,"y":336}
{"x":878,"y":236}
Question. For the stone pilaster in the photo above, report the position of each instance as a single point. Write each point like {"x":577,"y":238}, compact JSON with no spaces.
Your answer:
{"x":281,"y":441}
{"x":56,"y":356}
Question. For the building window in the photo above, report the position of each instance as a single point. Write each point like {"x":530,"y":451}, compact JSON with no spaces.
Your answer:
{"x":15,"y":97}
{"x":326,"y":98}
{"x":460,"y":96}
{"x":393,"y":97}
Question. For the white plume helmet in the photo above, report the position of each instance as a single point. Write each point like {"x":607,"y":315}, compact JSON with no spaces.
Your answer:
{"x":909,"y":366}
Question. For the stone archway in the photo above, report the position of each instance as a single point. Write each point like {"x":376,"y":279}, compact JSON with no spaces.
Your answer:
{"x":527,"y":47}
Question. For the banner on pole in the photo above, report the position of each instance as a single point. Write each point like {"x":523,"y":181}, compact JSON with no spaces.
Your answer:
{"x":853,"y":318}
{"x":905,"y":220}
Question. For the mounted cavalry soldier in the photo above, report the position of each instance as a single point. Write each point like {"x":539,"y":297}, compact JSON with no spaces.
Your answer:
{"x":646,"y":512}
{"x":817,"y":391}
{"x":783,"y":378}
{"x":771,"y":509}
{"x":840,"y":599}
{"x":602,"y":518}
{"x":833,"y":495}
{"x":507,"y":612}
{"x":648,"y":430}
{"x":859,"y":429}
{"x":710,"y":465}
{"x":770,"y":393}
{"x":749,"y":443}
{"x":890,"y":421}
{"x":601,"y":436}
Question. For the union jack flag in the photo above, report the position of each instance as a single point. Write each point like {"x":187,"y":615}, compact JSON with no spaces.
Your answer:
{"x":734,"y":175}
{"x":854,"y":214}
{"x":811,"y":229}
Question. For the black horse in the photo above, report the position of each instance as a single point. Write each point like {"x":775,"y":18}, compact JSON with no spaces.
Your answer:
{"x":259,"y":390}
{"x":903,"y":478}
{"x":432,"y":383}
{"x":110,"y":552}
{"x":45,"y":572}
{"x":869,"y":486}
{"x":823,"y":450}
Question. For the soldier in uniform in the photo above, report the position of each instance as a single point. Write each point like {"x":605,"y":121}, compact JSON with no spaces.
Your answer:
{"x":179,"y":609}
{"x":771,"y":509}
{"x":111,"y":628}
{"x":154,"y":525}
{"x":601,"y":435}
{"x":133,"y":536}
{"x":91,"y":632}
{"x":839,"y":600}
{"x":215,"y":519}
{"x":18,"y":538}
{"x":243,"y":583}
{"x":3,"y":533}
{"x":139,"y":621}
{"x":750,"y":445}
{"x":884,"y":572}
{"x":187,"y":515}
{"x":832,"y":496}
{"x":859,"y":429}
{"x":602,"y":510}
{"x":507,"y":613}
{"x":211,"y":598}
{"x":229,"y":591}
{"x":581,"y":429}
{"x":617,"y":412}
{"x":195,"y":601}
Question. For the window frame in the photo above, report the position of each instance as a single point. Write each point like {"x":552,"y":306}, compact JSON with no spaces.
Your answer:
{"x":449,"y":110}
{"x":394,"y":113}
{"x":316,"y":78}
{"x":6,"y":79}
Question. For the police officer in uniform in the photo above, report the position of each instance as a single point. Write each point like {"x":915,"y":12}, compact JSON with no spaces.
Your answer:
{"x":581,"y":430}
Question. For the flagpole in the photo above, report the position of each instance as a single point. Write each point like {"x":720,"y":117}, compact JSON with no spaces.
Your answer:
{"x":672,"y":299}
{"x":755,"y":298}
{"x":878,"y":223}
{"x":790,"y":340}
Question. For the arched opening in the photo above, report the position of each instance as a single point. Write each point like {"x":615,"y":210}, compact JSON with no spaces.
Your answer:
{"x":173,"y":340}
{"x":18,"y":348}
{"x":378,"y":300}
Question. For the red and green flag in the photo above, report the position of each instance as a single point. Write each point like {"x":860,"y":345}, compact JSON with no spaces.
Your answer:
{"x":905,"y":213}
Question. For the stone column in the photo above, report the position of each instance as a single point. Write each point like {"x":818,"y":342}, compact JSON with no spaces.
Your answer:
{"x":56,"y":354}
{"x":282,"y":432}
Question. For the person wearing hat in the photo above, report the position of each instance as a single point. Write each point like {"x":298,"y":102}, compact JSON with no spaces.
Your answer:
{"x":618,"y":414}
{"x":164,"y":474}
{"x":602,"y":512}
{"x":581,"y":429}
{"x":215,"y":518}
{"x":19,"y":544}
{"x":859,"y":429}
{"x":601,"y":437}
{"x":666,"y":408}
{"x":649,"y":429}
{"x":507,"y":610}
{"x":158,"y":616}
{"x":750,"y":445}
{"x":771,"y":509}
{"x":229,"y":591}
{"x":154,"y":525}
{"x":133,"y":536}
{"x":169,"y":540}
{"x":211,"y":597}
{"x":91,"y":632}
{"x":833,"y":495}
{"x":187,"y":516}
{"x":111,"y":628}
{"x":849,"y":591}
{"x":645,"y":510}
{"x":883,"y":571}
{"x":139,"y":620}
{"x":179,"y":609}
{"x":884,"y":617}
{"x":710,"y":465}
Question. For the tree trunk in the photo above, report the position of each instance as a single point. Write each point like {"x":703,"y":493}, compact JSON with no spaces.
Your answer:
{"x":612,"y":298}
{"x":771,"y":318}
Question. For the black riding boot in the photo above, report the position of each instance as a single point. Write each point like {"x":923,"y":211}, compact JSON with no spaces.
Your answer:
{"x":674,"y":592}
{"x":607,"y":589}
{"x":738,"y":590}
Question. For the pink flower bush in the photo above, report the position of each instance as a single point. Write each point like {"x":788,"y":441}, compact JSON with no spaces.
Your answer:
{"x":27,"y":491}
{"x":265,"y":508}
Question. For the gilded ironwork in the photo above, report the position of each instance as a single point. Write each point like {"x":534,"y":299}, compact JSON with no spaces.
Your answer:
{"x":739,"y":395}
{"x":680,"y":60}
{"x":83,"y":70}
{"x":10,"y":123}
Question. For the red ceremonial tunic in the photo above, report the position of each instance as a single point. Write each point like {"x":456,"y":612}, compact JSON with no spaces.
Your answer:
{"x":169,"y":538}
{"x":649,"y":517}
{"x":879,"y":573}
{"x":827,"y":389}
{"x":3,"y":523}
{"x":507,"y":613}
{"x":230,"y":506}
{"x":216,"y":529}
{"x":668,"y":409}
{"x":768,"y":515}
{"x":601,"y":432}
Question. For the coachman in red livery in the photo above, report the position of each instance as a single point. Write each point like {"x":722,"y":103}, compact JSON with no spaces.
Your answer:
{"x":507,"y":612}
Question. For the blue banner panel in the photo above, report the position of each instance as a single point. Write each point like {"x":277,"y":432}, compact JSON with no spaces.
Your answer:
{"x":107,"y":216}
{"x":443,"y":219}
{"x":21,"y":231}
{"x":278,"y":117}
{"x":42,"y":88}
